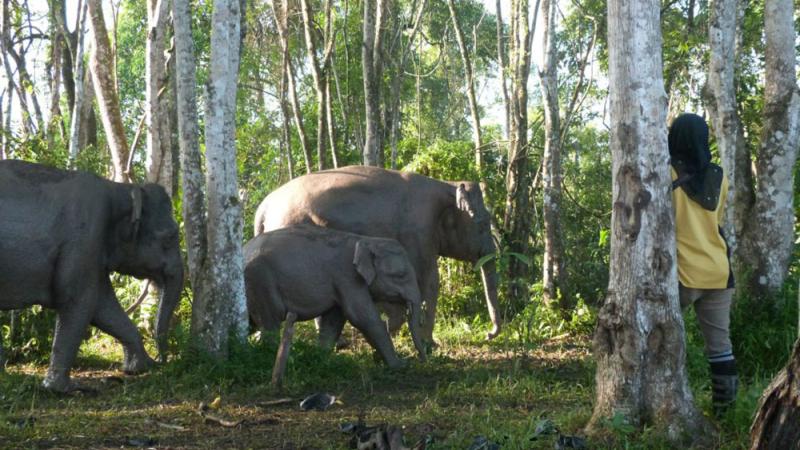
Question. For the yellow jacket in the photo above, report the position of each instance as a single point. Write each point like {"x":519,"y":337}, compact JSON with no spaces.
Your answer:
{"x":702,"y":251}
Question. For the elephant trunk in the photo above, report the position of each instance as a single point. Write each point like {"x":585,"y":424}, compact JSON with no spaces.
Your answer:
{"x":489,"y":276}
{"x":170,"y":295}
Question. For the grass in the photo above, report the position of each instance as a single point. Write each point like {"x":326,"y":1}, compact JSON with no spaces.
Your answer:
{"x":501,"y":390}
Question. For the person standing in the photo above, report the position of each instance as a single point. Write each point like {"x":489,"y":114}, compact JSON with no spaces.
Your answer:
{"x":699,"y":189}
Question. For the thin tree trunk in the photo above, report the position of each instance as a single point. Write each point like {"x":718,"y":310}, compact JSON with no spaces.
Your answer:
{"x":721,"y":102}
{"x":517,"y":217}
{"x":331,"y":127}
{"x":470,"y":85}
{"x":192,"y":182}
{"x":55,"y":123}
{"x":372,"y":67}
{"x":281,"y":21}
{"x":639,"y":340}
{"x":553,"y":259}
{"x":158,"y":162}
{"x":286,"y":136}
{"x":769,"y":234}
{"x":319,"y":73}
{"x":105,"y":90}
{"x":76,"y":122}
{"x":397,"y":78}
{"x":223,"y":312}
{"x":502,"y":62}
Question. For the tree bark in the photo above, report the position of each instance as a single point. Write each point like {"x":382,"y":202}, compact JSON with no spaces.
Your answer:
{"x":502,"y":62}
{"x":372,"y":67}
{"x":470,"y":85}
{"x":192,"y":182}
{"x":319,"y":70}
{"x":553,"y":258}
{"x":775,"y":424}
{"x":223,"y":311}
{"x":105,"y":90}
{"x":517,"y":217}
{"x":281,"y":21}
{"x":286,"y":133}
{"x":769,"y":234}
{"x":76,"y":122}
{"x":721,"y":102}
{"x":158,"y":162}
{"x":639,"y":340}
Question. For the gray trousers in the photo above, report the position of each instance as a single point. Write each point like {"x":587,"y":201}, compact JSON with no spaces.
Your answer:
{"x":713,"y":310}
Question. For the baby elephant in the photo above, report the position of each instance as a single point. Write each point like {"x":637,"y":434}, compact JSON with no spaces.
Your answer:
{"x":305,"y":271}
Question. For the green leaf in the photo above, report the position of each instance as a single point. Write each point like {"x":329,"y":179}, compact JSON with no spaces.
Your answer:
{"x":483,"y":260}
{"x":525,"y":260}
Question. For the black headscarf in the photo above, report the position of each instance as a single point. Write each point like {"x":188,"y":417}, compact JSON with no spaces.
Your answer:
{"x":691,"y":159}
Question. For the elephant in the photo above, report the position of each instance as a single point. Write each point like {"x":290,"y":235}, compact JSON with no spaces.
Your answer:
{"x":430,"y":218}
{"x":307,"y":271}
{"x":62,"y":233}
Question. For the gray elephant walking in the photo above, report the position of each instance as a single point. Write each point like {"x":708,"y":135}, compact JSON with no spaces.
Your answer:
{"x":306,"y":271}
{"x":430,"y":218}
{"x":61,"y":235}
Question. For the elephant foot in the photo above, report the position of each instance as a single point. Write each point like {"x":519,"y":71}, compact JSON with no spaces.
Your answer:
{"x":62,"y":384}
{"x":135,"y":365}
{"x":397,"y":364}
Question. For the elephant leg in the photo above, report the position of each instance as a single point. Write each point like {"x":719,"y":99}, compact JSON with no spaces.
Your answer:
{"x":429,"y":288}
{"x":110,"y":318}
{"x":71,"y":325}
{"x":360,"y":310}
{"x":330,"y":327}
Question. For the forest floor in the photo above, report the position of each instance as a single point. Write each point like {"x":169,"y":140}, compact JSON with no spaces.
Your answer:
{"x":517,"y":396}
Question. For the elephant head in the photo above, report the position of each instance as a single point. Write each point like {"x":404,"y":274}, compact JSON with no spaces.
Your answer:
{"x":465,"y":233}
{"x":385,"y":267}
{"x":146,"y":244}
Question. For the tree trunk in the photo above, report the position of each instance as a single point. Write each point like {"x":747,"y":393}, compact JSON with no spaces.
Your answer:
{"x":639,"y":340}
{"x":769,"y":234}
{"x":286,"y":133}
{"x":320,"y":75}
{"x":372,"y":67}
{"x":721,"y":102}
{"x":192,"y":182}
{"x":158,"y":163}
{"x":398,"y":69}
{"x":55,"y":122}
{"x":101,"y":67}
{"x":281,"y":22}
{"x":502,"y":62}
{"x":776,"y":423}
{"x":223,"y":312}
{"x":553,"y":258}
{"x":76,"y":122}
{"x":470,"y":85}
{"x":517,"y":218}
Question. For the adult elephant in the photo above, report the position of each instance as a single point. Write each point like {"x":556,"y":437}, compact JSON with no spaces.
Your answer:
{"x":430,"y":218}
{"x":61,"y":235}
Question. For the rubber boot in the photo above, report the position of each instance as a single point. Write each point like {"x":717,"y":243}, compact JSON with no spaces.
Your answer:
{"x":724,"y":385}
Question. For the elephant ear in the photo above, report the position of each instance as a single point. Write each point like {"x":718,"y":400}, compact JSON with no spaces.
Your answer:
{"x":136,"y":211}
{"x":463,"y":201}
{"x":364,"y":261}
